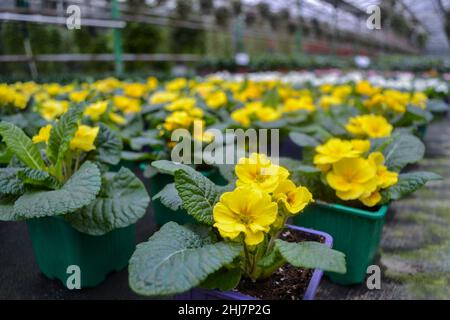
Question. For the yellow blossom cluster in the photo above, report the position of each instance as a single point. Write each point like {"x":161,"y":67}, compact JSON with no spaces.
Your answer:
{"x":264,"y":197}
{"x":352,"y":173}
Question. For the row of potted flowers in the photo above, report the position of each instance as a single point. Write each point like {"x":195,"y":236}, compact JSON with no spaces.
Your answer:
{"x":355,"y":139}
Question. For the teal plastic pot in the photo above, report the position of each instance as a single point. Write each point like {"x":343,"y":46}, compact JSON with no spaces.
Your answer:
{"x":355,"y":232}
{"x":422,"y":131}
{"x":163,"y":214}
{"x":57,"y":245}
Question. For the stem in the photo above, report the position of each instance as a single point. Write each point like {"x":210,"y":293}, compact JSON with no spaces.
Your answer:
{"x":77,"y":162}
{"x":247,"y":258}
{"x":275,"y":236}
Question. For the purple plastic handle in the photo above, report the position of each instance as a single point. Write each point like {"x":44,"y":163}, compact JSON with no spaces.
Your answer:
{"x":203,"y":294}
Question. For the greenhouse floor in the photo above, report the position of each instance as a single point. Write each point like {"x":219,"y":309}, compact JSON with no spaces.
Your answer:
{"x":414,"y":255}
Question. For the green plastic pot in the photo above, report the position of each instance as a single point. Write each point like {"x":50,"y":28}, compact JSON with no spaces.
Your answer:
{"x":163,"y":214}
{"x":355,"y":232}
{"x":57,"y":245}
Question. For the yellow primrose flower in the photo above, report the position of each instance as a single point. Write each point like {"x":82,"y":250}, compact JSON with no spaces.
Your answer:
{"x":245,"y":210}
{"x":366,"y":89}
{"x":259,"y":173}
{"x":386,"y":178}
{"x":326,"y":88}
{"x":295,"y":199}
{"x":134,"y":90}
{"x":396,"y":100}
{"x":163,"y":97}
{"x":342,"y":92}
{"x":196,"y":112}
{"x":327,"y":101}
{"x":127,"y":105}
{"x":362,"y":146}
{"x":117,"y":119}
{"x":204,"y":89}
{"x":419,"y":99}
{"x":251,"y":92}
{"x":78,"y":96}
{"x":267,"y":114}
{"x":52,"y":89}
{"x":20,"y":100}
{"x":336,"y":149}
{"x":176,"y":84}
{"x":241,"y":116}
{"x":353,"y":178}
{"x":106,"y":85}
{"x":41,"y":97}
{"x":43,"y":135}
{"x":84,"y":138}
{"x":372,"y":199}
{"x":95,"y":110}
{"x":177,"y":120}
{"x":203,"y":136}
{"x":152,"y":83}
{"x":216,"y":99}
{"x":50,"y":109}
{"x":303,"y":103}
{"x":181,"y":104}
{"x":371,"y":125}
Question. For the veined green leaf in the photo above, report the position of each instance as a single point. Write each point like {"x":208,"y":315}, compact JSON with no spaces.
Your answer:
{"x":404,"y":149}
{"x":108,"y":146}
{"x":79,"y":191}
{"x":408,"y":183}
{"x":198,"y":193}
{"x":38,"y":178}
{"x":10,"y":184}
{"x":223,"y":279}
{"x":21,"y":145}
{"x":123,"y":202}
{"x":311,"y":255}
{"x":169,"y":167}
{"x":169,"y":197}
{"x":7,"y":208}
{"x":303,"y":140}
{"x":62,"y":133}
{"x":175,"y":259}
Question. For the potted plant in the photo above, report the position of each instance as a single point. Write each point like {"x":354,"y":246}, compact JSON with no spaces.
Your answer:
{"x":78,"y":213}
{"x":240,"y":241}
{"x":354,"y":182}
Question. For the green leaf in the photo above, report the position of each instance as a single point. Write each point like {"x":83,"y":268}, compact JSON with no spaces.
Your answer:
{"x":79,"y":191}
{"x":122,"y":202}
{"x":311,"y":255}
{"x":148,"y":138}
{"x":437,"y":105}
{"x":408,"y":183}
{"x":303,"y":140}
{"x":62,"y":133}
{"x":10,"y":184}
{"x":224,"y":279}
{"x":169,"y":167}
{"x":176,"y":259}
{"x":5,"y":154}
{"x":7,"y":208}
{"x":108,"y":146}
{"x":38,"y":178}
{"x":135,"y":156}
{"x":169,"y":197}
{"x":404,"y":149}
{"x":414,"y":115}
{"x":198,"y":193}
{"x":22,"y":146}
